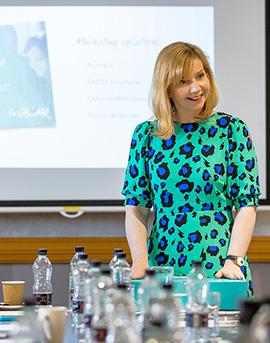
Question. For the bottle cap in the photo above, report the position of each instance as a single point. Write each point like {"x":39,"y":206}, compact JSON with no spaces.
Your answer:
{"x":115,"y":251}
{"x":247,"y":310}
{"x":105,"y":270}
{"x":83,"y":256}
{"x":150,"y":271}
{"x":95,"y":263}
{"x":42,"y":252}
{"x":167,"y":286}
{"x":121,"y":255}
{"x":122,"y":286}
{"x":196,"y":263}
{"x":79,"y":249}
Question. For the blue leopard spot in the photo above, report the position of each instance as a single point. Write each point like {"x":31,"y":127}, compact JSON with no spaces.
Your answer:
{"x":207,"y":207}
{"x":235,"y":190}
{"x":220,"y":218}
{"x":133,"y":171}
{"x":166,"y":198}
{"x":163,"y":171}
{"x":180,"y":219}
{"x":250,"y":164}
{"x":172,"y":262}
{"x":185,"y":186}
{"x":163,"y":243}
{"x":208,"y":188}
{"x":180,"y":247}
{"x":168,"y":143}
{"x":241,"y":147}
{"x":206,"y":175}
{"x":212,"y":250}
{"x":222,"y":242}
{"x":162,"y":258}
{"x":245,"y":131}
{"x":208,"y":150}
{"x":195,"y":237}
{"x":182,"y":260}
{"x":212,"y":131}
{"x":133,"y":202}
{"x":214,"y":233}
{"x":242,"y":176}
{"x":186,"y":150}
{"x":133,"y":143}
{"x":204,"y":220}
{"x":209,"y":265}
{"x":223,"y":122}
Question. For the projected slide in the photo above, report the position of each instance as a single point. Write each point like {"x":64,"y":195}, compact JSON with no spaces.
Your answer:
{"x":79,"y":79}
{"x":26,"y":98}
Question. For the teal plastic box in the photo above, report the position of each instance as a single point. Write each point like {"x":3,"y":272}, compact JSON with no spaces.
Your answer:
{"x":231,"y":291}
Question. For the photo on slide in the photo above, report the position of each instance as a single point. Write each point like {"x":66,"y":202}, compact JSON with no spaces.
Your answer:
{"x":26,"y":98}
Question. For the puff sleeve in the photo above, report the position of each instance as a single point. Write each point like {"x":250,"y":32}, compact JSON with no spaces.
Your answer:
{"x":137,"y":188}
{"x":243,"y":178}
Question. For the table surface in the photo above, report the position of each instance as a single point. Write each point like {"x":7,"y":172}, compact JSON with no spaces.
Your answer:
{"x":229,"y":327}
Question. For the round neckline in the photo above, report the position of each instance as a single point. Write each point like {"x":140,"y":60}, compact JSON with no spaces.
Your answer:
{"x":196,"y":122}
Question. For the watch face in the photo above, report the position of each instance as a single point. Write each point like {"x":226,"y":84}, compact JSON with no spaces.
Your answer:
{"x":240,"y":261}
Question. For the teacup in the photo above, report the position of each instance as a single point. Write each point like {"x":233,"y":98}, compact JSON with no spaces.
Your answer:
{"x":52,"y":323}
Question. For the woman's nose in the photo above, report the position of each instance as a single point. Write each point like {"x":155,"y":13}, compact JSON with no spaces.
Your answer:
{"x":194,"y":87}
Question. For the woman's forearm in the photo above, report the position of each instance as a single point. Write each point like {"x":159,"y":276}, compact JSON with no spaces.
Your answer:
{"x":242,"y":231}
{"x":136,"y":232}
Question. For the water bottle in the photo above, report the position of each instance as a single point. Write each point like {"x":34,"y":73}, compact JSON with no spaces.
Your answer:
{"x":90,"y":283}
{"x":80,"y":274}
{"x":115,"y":257}
{"x":121,"y":318}
{"x":148,"y":295}
{"x":42,"y":273}
{"x":122,"y":274}
{"x":149,"y":290}
{"x":102,"y":294}
{"x":73,"y":263}
{"x":197,"y":287}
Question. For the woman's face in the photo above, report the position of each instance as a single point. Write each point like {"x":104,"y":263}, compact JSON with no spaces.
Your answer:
{"x":37,"y":61}
{"x":190,"y":94}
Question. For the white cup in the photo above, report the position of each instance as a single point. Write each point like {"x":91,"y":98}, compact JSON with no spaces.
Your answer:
{"x":52,"y":323}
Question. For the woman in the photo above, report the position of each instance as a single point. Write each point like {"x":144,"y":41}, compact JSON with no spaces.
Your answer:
{"x":193,"y":165}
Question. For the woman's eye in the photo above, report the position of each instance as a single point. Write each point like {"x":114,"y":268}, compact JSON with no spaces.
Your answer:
{"x":201,"y":75}
{"x":182,"y":82}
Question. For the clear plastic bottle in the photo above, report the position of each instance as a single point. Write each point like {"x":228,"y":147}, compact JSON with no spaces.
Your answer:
{"x":114,"y":259}
{"x":78,"y":250}
{"x":149,"y":294}
{"x":197,"y":287}
{"x":42,"y":273}
{"x":80,"y":274}
{"x":122,"y":274}
{"x":149,"y":290}
{"x":90,"y":283}
{"x":121,"y":318}
{"x":103,"y":293}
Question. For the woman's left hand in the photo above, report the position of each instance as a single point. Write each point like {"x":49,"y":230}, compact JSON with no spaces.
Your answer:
{"x":230,"y":271}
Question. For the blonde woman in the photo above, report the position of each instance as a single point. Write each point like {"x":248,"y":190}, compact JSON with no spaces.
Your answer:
{"x":193,"y":165}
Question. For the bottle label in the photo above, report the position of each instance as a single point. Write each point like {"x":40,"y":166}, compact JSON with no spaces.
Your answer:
{"x":77,"y":306}
{"x":88,"y":320}
{"x":197,"y":319}
{"x":42,"y":299}
{"x":99,"y":334}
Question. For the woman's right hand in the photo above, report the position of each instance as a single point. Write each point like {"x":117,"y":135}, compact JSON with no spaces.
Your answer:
{"x":138,"y":270}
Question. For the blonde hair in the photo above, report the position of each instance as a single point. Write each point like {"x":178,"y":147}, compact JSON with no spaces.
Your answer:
{"x":172,"y":62}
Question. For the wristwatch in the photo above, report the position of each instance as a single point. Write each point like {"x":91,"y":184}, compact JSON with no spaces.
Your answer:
{"x":238,"y":260}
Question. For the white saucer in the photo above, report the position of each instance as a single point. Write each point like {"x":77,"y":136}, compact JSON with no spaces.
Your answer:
{"x":4,"y":307}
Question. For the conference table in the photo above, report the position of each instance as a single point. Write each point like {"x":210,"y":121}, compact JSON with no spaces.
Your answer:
{"x":21,"y":326}
{"x":24,"y":329}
